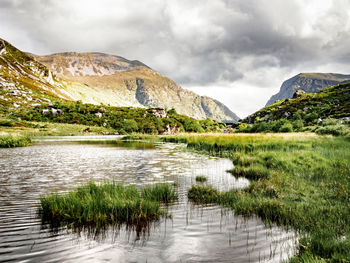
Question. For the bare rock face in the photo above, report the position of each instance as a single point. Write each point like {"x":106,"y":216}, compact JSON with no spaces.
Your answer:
{"x":307,"y":82}
{"x":101,"y":78}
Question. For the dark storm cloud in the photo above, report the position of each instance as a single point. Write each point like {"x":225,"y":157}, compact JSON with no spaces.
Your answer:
{"x":195,"y":42}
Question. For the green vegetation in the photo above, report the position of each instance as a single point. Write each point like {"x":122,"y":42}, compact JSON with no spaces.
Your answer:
{"x":299,"y":181}
{"x":201,"y":179}
{"x":106,"y":203}
{"x":159,"y":192}
{"x":9,"y":141}
{"x":28,"y":128}
{"x":308,"y":112}
{"x":122,"y":120}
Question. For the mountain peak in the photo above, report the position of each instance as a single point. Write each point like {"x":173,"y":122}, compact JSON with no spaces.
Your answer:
{"x":87,"y":64}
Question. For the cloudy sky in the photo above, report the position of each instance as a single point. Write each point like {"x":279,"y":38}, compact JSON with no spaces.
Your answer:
{"x":236,"y":51}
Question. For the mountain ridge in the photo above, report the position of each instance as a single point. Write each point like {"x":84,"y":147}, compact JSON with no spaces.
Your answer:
{"x":100,"y":78}
{"x":125,"y":82}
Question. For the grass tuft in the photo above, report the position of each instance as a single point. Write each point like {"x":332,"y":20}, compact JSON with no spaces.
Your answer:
{"x":203,"y":194}
{"x":162,"y":192}
{"x":106,"y":203}
{"x":201,"y":179}
{"x":9,"y":141}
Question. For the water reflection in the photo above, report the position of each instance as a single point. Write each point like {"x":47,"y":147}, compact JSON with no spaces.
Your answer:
{"x":193,"y":234}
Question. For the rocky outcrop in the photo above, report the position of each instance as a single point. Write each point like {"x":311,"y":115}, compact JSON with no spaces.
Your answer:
{"x":298,"y":93}
{"x":307,"y":82}
{"x":101,"y":78}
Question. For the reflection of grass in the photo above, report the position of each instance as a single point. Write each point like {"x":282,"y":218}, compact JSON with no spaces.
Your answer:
{"x":140,"y":137}
{"x":106,"y":203}
{"x":297,"y":181}
{"x":135,"y":144}
{"x":8,"y":141}
{"x":201,"y":178}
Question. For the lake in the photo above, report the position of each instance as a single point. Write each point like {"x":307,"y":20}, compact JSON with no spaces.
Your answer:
{"x":193,"y":234}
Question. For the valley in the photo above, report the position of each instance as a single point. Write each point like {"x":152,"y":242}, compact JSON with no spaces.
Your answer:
{"x":272,"y":186}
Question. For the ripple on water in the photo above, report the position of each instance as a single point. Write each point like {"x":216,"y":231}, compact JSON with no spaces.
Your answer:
{"x":193,"y":234}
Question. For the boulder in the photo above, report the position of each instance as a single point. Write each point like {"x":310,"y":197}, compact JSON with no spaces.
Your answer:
{"x":157,"y":112}
{"x":298,"y":93}
{"x":98,"y":114}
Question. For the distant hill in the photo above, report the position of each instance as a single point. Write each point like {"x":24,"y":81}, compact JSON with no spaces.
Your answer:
{"x":308,"y":82}
{"x":102,"y":78}
{"x":331,"y":102}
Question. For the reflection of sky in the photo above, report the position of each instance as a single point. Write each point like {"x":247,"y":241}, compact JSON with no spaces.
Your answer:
{"x":194,"y":233}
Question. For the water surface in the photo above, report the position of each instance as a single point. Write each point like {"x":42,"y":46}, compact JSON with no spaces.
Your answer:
{"x":195,"y":233}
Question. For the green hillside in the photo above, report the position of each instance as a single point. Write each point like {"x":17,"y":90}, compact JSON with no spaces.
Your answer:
{"x":119,"y":120}
{"x":306,"y":112}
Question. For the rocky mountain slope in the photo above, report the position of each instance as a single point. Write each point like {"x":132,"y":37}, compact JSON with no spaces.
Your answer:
{"x":101,"y":78}
{"x":24,"y":81}
{"x":308,"y":82}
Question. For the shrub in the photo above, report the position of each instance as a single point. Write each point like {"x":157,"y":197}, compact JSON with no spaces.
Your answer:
{"x":328,"y":122}
{"x":193,"y":126}
{"x":276,"y":125}
{"x":286,"y":127}
{"x":297,"y":125}
{"x":311,"y":117}
{"x":335,"y":130}
{"x":130,"y":126}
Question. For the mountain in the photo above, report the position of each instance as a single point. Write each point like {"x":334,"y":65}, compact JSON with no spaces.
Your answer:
{"x":101,"y":78}
{"x":98,"y":78}
{"x":29,"y":91}
{"x":308,"y":82}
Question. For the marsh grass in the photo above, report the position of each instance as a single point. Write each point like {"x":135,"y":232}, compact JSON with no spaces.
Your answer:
{"x":9,"y":141}
{"x":159,"y":192}
{"x":106,"y":203}
{"x":201,"y":179}
{"x":302,"y":182}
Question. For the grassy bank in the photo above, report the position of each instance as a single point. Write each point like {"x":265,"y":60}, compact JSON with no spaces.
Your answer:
{"x":9,"y":141}
{"x":106,"y":203}
{"x":27,"y":128}
{"x":298,"y":181}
